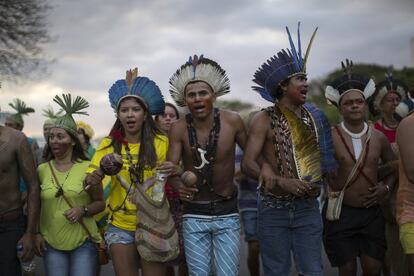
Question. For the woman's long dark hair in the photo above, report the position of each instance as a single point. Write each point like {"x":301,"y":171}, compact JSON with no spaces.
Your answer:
{"x":147,"y":156}
{"x":77,"y":154}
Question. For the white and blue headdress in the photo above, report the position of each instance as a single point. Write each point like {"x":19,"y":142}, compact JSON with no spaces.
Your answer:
{"x":405,"y":108}
{"x":349,"y":82}
{"x":282,"y":66}
{"x":198,"y":69}
{"x":389,"y":85}
{"x":141,"y":88}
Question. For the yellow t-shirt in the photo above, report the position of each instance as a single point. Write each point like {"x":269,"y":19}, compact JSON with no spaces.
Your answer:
{"x":125,"y":217}
{"x":54,"y":226}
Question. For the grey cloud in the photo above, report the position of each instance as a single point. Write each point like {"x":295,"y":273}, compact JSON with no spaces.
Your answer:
{"x":99,"y":39}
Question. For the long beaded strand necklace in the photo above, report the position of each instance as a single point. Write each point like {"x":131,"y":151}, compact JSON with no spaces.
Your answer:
{"x":136,"y":176}
{"x":281,"y":142}
{"x":135,"y":170}
{"x":205,"y":158}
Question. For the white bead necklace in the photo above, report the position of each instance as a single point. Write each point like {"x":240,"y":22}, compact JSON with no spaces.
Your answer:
{"x":356,"y":138}
{"x":355,"y":135}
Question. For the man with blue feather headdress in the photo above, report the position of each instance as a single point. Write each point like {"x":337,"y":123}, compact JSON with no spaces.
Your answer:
{"x":294,"y":140}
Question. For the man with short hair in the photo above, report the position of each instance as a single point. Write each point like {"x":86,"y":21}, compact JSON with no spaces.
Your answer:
{"x":294,"y":140}
{"x":205,"y":142}
{"x":16,"y":160}
{"x":360,"y":229}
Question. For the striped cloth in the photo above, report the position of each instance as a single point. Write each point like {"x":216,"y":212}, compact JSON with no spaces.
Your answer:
{"x":212,"y":244}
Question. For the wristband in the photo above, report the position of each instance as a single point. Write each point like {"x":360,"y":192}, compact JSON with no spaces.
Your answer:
{"x":85,"y":210}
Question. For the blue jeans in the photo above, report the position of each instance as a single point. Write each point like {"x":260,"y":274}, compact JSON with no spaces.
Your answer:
{"x":207,"y":236}
{"x":81,"y":261}
{"x":249,"y":222}
{"x":296,"y":228}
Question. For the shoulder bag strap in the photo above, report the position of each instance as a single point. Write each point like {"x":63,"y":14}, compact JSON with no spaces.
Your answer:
{"x":362,"y":156}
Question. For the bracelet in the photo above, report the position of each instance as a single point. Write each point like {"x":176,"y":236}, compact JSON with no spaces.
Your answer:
{"x":85,"y":210}
{"x":388,"y":188}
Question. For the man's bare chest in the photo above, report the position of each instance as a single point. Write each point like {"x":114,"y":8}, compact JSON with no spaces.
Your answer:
{"x":7,"y":155}
{"x":346,"y":154}
{"x":224,"y":145}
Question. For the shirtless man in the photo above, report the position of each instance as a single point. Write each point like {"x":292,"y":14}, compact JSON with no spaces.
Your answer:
{"x":286,"y":135}
{"x":16,"y":121}
{"x":16,"y":159}
{"x":360,"y":229}
{"x":205,"y":142}
{"x":405,"y":194}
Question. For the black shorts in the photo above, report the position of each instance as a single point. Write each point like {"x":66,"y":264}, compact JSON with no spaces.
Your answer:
{"x":359,"y":231}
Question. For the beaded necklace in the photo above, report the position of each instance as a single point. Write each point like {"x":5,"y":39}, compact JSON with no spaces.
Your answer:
{"x":205,"y":158}
{"x":135,"y":170}
{"x":281,"y":141}
{"x":136,"y":176}
{"x":385,"y":125}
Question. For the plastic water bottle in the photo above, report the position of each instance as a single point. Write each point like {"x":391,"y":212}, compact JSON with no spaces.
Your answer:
{"x":158,"y":188}
{"x":29,"y":266}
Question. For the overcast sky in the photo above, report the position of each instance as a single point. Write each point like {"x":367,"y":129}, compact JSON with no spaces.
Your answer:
{"x":96,"y":41}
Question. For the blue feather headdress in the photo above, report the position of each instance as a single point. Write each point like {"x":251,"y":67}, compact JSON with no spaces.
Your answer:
{"x":198,"y":69}
{"x":326,"y":148}
{"x":141,"y":88}
{"x":349,"y":82}
{"x":389,"y":85}
{"x":282,"y":66}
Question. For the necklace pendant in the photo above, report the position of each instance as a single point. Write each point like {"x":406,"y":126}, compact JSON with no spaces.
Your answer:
{"x":203,"y":159}
{"x":59,"y":192}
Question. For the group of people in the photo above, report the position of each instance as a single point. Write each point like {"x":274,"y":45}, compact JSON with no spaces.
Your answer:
{"x":288,"y":153}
